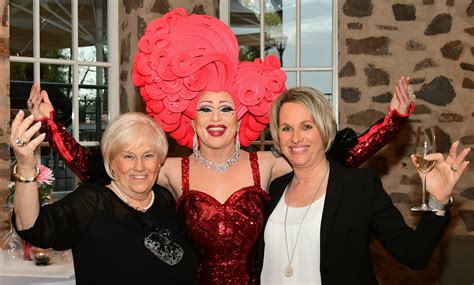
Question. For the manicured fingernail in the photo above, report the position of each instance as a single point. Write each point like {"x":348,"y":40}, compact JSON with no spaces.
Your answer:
{"x":38,"y":124}
{"x":30,"y":117}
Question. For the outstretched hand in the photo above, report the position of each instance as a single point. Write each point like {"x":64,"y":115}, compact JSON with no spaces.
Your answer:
{"x":441,"y":180}
{"x":400,"y":100}
{"x":23,"y":143}
{"x":39,"y":104}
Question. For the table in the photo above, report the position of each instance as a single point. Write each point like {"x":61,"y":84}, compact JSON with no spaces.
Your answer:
{"x":26,"y":272}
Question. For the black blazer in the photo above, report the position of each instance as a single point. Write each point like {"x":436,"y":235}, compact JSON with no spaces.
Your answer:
{"x":356,"y":208}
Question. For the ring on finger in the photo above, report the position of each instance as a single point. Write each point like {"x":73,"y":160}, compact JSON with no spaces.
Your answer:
{"x":29,"y":104}
{"x":411,"y":94}
{"x":19,"y":142}
{"x":454,"y":168}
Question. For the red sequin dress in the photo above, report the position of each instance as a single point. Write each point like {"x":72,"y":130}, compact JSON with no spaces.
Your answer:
{"x":224,"y":235}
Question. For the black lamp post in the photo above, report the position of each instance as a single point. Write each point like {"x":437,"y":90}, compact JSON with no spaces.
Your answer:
{"x":279,"y":42}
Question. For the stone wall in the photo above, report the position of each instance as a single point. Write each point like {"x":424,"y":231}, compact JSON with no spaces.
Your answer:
{"x":4,"y":110}
{"x":433,"y":43}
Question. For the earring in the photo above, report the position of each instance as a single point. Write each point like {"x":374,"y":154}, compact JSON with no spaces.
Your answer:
{"x":237,"y":141}
{"x":275,"y":151}
{"x":195,"y":146}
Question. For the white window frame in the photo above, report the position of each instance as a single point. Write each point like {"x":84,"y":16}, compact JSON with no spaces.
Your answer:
{"x":112,"y":65}
{"x":224,"y":14}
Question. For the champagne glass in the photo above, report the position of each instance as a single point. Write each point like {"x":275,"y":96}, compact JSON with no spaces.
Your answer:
{"x":11,"y":243}
{"x":425,"y":144}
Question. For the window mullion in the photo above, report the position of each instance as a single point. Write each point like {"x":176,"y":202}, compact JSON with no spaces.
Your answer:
{"x":335,"y":62}
{"x":113,"y":42}
{"x":75,"y":72}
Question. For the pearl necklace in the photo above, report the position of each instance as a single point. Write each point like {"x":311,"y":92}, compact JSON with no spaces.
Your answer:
{"x":288,"y":271}
{"x":220,"y":167}
{"x":122,"y":197}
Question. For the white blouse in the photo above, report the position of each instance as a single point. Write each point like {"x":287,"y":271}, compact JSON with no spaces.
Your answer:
{"x":306,"y":258}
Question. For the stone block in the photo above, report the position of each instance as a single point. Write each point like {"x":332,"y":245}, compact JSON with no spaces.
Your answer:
{"x":358,"y":8}
{"x":441,"y":24}
{"x":469,"y":31}
{"x":425,"y":63}
{"x":404,"y":12}
{"x":354,"y":26}
{"x":132,"y":5}
{"x":161,"y":7}
{"x":467,"y":83}
{"x":465,"y":140}
{"x":450,"y":118}
{"x":470,"y":9}
{"x":467,"y":66}
{"x":421,"y":109}
{"x":369,"y":46}
{"x":438,"y":92}
{"x":347,"y":70}
{"x":383,"y":98}
{"x":452,"y":50}
{"x":376,"y":76}
{"x":350,"y":94}
{"x":365,"y":118}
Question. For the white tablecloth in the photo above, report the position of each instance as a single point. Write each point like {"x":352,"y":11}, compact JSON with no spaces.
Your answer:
{"x":26,"y":272}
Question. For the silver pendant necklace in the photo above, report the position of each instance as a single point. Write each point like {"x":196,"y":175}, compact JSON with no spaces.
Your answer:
{"x":122,"y":197}
{"x":220,"y":167}
{"x":288,"y":271}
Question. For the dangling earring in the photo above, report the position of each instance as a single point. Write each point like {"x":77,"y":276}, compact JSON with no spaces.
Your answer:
{"x":237,"y":141}
{"x":196,"y":146}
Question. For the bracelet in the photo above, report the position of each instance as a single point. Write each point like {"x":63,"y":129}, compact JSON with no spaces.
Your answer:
{"x":20,"y":178}
{"x":433,"y":203}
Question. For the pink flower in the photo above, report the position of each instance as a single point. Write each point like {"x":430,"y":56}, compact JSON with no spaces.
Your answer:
{"x":46,"y":176}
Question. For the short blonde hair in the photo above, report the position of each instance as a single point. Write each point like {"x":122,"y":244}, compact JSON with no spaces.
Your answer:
{"x":131,"y":128}
{"x":314,"y":101}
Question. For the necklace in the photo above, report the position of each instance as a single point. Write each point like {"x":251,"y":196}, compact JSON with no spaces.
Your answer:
{"x":220,"y":167}
{"x":122,"y":197}
{"x":289,"y":269}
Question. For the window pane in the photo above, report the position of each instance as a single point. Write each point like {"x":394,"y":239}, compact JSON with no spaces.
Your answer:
{"x":280,"y":27}
{"x":93,"y":30}
{"x":316,"y":33}
{"x":291,"y":79}
{"x":21,"y":79}
{"x":55,"y":29}
{"x":245,"y":23}
{"x":93,"y":111}
{"x":56,"y":80}
{"x":21,"y":28}
{"x":321,"y":80}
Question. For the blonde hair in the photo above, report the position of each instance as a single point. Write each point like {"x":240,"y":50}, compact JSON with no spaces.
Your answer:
{"x":315,"y":103}
{"x":131,"y":128}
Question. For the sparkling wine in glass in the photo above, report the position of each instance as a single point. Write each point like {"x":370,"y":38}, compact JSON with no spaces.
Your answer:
{"x":425,"y":144}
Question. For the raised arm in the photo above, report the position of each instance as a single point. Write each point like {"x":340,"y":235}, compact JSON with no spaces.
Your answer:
{"x":352,"y":152}
{"x":78,"y":158}
{"x":26,"y":195}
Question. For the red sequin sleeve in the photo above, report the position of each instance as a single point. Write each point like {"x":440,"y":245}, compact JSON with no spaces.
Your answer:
{"x":372,"y":140}
{"x":76,"y":157}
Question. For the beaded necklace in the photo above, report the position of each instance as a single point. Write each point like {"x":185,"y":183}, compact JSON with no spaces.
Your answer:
{"x":122,"y":197}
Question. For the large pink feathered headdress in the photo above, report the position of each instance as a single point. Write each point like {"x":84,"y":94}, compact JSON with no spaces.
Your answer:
{"x":181,"y":56}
